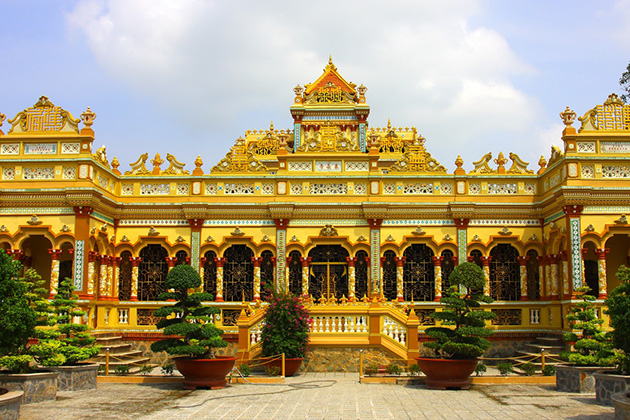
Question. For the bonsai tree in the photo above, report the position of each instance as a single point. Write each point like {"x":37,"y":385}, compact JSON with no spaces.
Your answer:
{"x":466,"y":340}
{"x":593,"y":348}
{"x":63,"y":342}
{"x":618,"y":303}
{"x":17,"y":316}
{"x":286,"y":326}
{"x":187,"y":319}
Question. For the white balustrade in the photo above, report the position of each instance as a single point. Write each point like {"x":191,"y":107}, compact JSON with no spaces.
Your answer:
{"x":255,"y":333}
{"x":394,"y":330}
{"x":345,"y":324}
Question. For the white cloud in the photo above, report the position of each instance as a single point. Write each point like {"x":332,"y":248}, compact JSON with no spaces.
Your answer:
{"x":220,"y":68}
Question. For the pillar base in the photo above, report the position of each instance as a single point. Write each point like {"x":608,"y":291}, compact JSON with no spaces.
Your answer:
{"x":218,"y":299}
{"x":133,"y":299}
{"x":524,"y":299}
{"x":555,"y":297}
{"x":602,"y":296}
{"x":437,"y":298}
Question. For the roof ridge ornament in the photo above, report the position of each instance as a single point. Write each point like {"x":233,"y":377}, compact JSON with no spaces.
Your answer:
{"x":139,"y":167}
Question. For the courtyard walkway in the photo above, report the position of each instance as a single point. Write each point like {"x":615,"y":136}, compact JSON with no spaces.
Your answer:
{"x":317,"y":396}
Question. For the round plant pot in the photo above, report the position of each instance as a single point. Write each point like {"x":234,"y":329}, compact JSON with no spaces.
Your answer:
{"x":291,"y":366}
{"x":205,"y":373}
{"x":10,"y":402}
{"x":447,"y":373}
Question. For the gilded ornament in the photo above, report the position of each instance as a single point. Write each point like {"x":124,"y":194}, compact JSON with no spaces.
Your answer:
{"x":3,"y":228}
{"x":209,"y":239}
{"x":476,"y":238}
{"x":239,"y":159}
{"x":125,"y":238}
{"x":153,"y":231}
{"x":568,"y":116}
{"x":112,"y":238}
{"x":101,"y":156}
{"x":2,"y":118}
{"x":417,"y":159}
{"x":590,"y":228}
{"x":104,"y":228}
{"x":34,"y":221}
{"x":501,"y":161}
{"x":505,"y":231}
{"x":93,"y":230}
{"x":481,"y":166}
{"x":265,"y":238}
{"x":157,"y":161}
{"x":294,"y":239}
{"x":88,"y":117}
{"x":389,"y":238}
{"x":519,"y":166}
{"x":361,"y":238}
{"x":44,"y":116}
{"x":448,"y":237}
{"x":613,"y":99}
{"x":588,"y":120}
{"x":459,"y":162}
{"x":328,"y":230}
{"x":139,"y":166}
{"x":180,"y":239}
{"x":542,"y":163}
{"x":115,"y":165}
{"x":556,"y":155}
{"x":65,"y":228}
{"x":622,"y":220}
{"x":418,"y":231}
{"x":198,"y":163}
{"x":237,"y":232}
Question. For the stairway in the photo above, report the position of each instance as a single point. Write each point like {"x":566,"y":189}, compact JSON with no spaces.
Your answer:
{"x":532,"y":353}
{"x":120,"y":354}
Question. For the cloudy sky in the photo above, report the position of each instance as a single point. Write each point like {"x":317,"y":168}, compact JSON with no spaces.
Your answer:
{"x":188,"y":77}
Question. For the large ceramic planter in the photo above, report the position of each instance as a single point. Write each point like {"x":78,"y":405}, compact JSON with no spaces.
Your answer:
{"x":10,"y":402}
{"x":76,"y":378}
{"x":570,"y":378}
{"x":205,"y":373}
{"x":607,"y":384}
{"x":447,"y":373}
{"x":37,"y":387}
{"x":291,"y":366}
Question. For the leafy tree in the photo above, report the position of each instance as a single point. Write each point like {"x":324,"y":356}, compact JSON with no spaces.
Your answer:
{"x":593,"y":348}
{"x":17,"y":317}
{"x":618,"y":303}
{"x":624,"y":82}
{"x":286,"y":326}
{"x":466,"y":340}
{"x":187,"y":318}
{"x":63,"y":342}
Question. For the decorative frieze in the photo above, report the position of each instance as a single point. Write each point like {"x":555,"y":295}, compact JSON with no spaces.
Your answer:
{"x":70,"y":148}
{"x":155,"y":189}
{"x":474,"y":188}
{"x":69,"y":172}
{"x":240,"y":188}
{"x":446,"y":188}
{"x":183,"y":189}
{"x":153,"y":222}
{"x":328,"y":166}
{"x":40,"y":149}
{"x":418,"y":188}
{"x":615,"y":171}
{"x":211,"y":189}
{"x":8,"y":173}
{"x":10,"y":149}
{"x":296,"y":188}
{"x":554,"y":180}
{"x":39,"y":173}
{"x":389,"y":188}
{"x":588,"y":171}
{"x":328,"y":189}
{"x":301,"y":166}
{"x":615,"y":147}
{"x":102,"y":181}
{"x":586,"y":147}
{"x":356,"y":166}
{"x":360,"y":188}
{"x":267,"y":188}
{"x":502,"y":188}
{"x":529,"y":188}
{"x":126,"y":189}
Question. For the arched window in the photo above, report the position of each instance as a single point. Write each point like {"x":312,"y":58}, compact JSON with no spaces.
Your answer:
{"x":328,"y":272}
{"x":418,"y":274}
{"x":505,"y":276}
{"x":388,"y":264}
{"x":124,"y":276}
{"x":181,"y":257}
{"x":152,"y":272}
{"x":266,"y":274}
{"x":210,"y":273}
{"x":533,"y":275}
{"x":448,"y":264}
{"x":361,"y":268}
{"x":295,"y":273}
{"x":238,"y":274}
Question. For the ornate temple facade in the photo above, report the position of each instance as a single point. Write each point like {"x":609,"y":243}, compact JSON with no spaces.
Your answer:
{"x":361,"y":221}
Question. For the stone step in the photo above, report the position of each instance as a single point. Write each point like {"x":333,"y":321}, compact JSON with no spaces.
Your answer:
{"x":116,"y":348}
{"x":537,"y":348}
{"x":122,"y":355}
{"x":557,"y":341}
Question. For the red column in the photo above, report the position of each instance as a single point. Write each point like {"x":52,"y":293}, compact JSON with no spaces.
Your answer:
{"x":171,"y":262}
{"x":16,"y":254}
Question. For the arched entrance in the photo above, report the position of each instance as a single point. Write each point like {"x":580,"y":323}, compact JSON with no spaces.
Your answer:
{"x":619,"y":246}
{"x":505,"y":277}
{"x":328,"y":272}
{"x":36,"y":256}
{"x":152,"y":272}
{"x":418,"y":274}
{"x":238,"y":274}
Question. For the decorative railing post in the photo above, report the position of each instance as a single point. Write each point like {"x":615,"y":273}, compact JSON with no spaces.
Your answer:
{"x":437,"y":268}
{"x":413,"y":347}
{"x":400,"y":262}
{"x":601,"y":271}
{"x":55,"y":254}
{"x":220,"y":263}
{"x":351,"y":278}
{"x":135,"y":263}
{"x":522,"y":264}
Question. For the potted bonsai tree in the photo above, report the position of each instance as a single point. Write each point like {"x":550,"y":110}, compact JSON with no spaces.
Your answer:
{"x":593,"y":348}
{"x":618,"y":302}
{"x":192,"y":333}
{"x":63,"y":346}
{"x":18,"y":319}
{"x":285,"y":331}
{"x":456,"y":349}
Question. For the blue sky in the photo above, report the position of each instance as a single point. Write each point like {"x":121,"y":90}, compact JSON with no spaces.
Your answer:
{"x":189,"y":77}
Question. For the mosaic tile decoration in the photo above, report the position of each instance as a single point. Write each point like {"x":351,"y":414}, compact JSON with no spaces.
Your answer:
{"x":576,"y":253}
{"x":79,"y":251}
{"x":195,"y":240}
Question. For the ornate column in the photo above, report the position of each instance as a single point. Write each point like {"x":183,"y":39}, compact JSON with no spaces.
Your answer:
{"x":522,"y":263}
{"x":552,"y":268}
{"x":437,"y":267}
{"x":102,"y":278}
{"x":584,"y":252}
{"x":195,"y":242}
{"x":115,"y":276}
{"x":601,"y":271}
{"x":82,"y":277}
{"x":542,"y":282}
{"x":306,"y":262}
{"x":376,"y":271}
{"x":566,"y":287}
{"x":282,"y":278}
{"x":575,"y":257}
{"x":202,"y":273}
{"x":55,"y":254}
{"x":256,"y":261}
{"x":92,"y":256}
{"x":16,"y":254}
{"x":351,"y":278}
{"x":135,"y":263}
{"x":462,"y":238}
{"x":220,"y":263}
{"x":400,"y":262}
{"x":485,"y":262}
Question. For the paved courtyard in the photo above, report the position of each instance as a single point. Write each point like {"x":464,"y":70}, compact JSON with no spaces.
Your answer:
{"x":317,"y":396}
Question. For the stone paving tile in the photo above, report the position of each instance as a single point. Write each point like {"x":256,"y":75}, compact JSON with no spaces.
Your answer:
{"x":317,"y":396}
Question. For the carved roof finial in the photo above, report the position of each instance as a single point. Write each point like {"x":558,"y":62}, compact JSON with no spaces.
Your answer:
{"x":568,"y":116}
{"x":157,"y":161}
{"x":198,"y":163}
{"x":542,"y":163}
{"x":459,"y":162}
{"x":88,"y":117}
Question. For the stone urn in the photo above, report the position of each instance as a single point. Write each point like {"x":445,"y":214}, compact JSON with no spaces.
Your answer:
{"x":205,"y":373}
{"x":447,"y":373}
{"x":572,"y":378}
{"x":607,"y":384}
